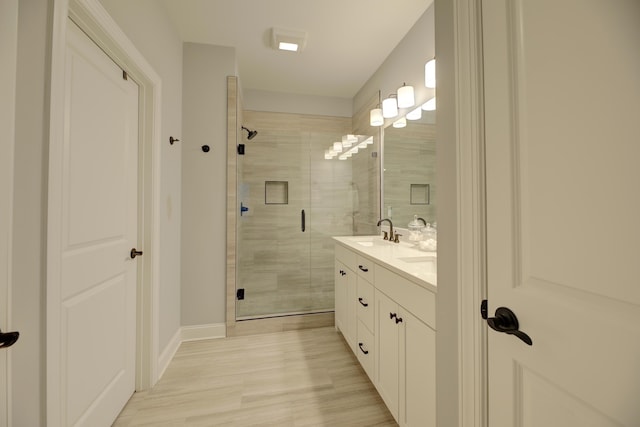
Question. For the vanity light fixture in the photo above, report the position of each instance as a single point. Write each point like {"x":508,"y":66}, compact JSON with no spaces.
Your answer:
{"x":337,"y":147}
{"x":288,"y":40}
{"x":430,"y":74}
{"x":430,"y":105}
{"x":375,"y":117}
{"x":390,"y":107}
{"x":406,"y":98}
{"x":414,"y":114}
{"x":400,"y":123}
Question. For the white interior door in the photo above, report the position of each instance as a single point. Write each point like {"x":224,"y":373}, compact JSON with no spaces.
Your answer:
{"x":8,"y":52}
{"x":97,"y":204}
{"x":562,"y":87}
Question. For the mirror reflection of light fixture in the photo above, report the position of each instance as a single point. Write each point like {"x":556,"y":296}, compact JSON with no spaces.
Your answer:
{"x":406,"y":98}
{"x":356,"y":143}
{"x":400,"y":123}
{"x":430,"y":74}
{"x":430,"y":105}
{"x":390,"y":107}
{"x":415,"y":114}
{"x":375,"y":117}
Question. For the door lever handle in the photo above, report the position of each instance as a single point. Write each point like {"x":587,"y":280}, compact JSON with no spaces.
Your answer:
{"x":506,"y":321}
{"x":134,"y":253}
{"x":7,"y":339}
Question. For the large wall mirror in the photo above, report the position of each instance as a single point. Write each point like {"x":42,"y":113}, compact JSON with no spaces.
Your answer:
{"x":409,"y":171}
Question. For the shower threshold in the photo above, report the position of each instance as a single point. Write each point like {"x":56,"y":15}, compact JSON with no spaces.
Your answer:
{"x":270,"y":316}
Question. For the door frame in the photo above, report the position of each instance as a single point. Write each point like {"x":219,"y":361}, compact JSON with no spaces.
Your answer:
{"x":94,"y":20}
{"x":461,"y":128}
{"x":8,"y":64}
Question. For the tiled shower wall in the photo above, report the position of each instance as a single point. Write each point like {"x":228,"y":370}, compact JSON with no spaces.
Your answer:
{"x":283,"y":269}
{"x":409,"y":158}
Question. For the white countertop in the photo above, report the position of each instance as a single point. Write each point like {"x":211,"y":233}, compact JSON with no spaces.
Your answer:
{"x":402,"y":258}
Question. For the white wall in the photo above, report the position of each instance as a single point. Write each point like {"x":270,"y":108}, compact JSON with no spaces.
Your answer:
{"x":276,"y":102}
{"x":147,"y":25}
{"x":204,"y":182}
{"x":447,"y":312}
{"x":29,"y":232}
{"x":405,"y":64}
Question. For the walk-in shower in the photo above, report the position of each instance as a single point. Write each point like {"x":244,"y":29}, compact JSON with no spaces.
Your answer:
{"x":291,"y":200}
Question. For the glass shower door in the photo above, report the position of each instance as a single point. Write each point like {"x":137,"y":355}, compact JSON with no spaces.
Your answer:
{"x":273,"y":234}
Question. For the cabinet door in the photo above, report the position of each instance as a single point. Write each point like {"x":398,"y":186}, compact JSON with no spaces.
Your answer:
{"x":352,"y":309}
{"x":417,"y":372}
{"x":340,"y":297}
{"x":387,"y":353}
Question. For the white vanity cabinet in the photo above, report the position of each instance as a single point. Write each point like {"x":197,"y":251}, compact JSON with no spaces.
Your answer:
{"x":389,"y":323}
{"x":345,"y":295}
{"x":405,"y":348}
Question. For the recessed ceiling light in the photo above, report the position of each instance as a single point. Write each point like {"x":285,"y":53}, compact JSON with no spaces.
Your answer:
{"x":288,"y":40}
{"x":291,"y":47}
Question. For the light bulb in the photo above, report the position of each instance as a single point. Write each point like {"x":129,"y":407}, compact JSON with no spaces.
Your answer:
{"x":415,"y":114}
{"x":430,"y":105}
{"x":430,"y":74}
{"x":405,"y":97}
{"x":389,"y":107}
{"x":375,"y":117}
{"x":400,"y":123}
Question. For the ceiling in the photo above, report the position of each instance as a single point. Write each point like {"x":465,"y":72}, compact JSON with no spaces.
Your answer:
{"x":347,"y":40}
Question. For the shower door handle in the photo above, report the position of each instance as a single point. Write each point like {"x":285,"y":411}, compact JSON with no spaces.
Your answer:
{"x":302,"y":220}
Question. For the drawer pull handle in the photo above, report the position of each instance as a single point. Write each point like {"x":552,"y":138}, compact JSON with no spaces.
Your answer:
{"x":398,"y":320}
{"x":393,"y":315}
{"x":342,"y":272}
{"x":363,"y":268}
{"x":364,"y":304}
{"x":362,"y":349}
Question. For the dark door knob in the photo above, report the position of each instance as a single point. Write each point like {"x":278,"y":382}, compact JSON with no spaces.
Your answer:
{"x":506,"y":321}
{"x":135,"y":253}
{"x":7,"y":339}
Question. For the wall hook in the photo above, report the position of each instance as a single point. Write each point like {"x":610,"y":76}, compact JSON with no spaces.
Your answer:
{"x":172,"y":140}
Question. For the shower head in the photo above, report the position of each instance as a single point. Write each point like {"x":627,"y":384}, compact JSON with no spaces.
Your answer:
{"x":251,"y":133}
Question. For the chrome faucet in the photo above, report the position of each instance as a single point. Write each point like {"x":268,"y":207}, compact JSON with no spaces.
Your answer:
{"x":390,"y":237}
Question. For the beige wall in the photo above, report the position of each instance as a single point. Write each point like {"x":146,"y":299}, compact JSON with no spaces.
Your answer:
{"x":447,"y":312}
{"x":29,"y":230}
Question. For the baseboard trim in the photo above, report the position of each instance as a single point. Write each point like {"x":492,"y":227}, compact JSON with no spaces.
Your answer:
{"x":167,"y":354}
{"x":203,"y":332}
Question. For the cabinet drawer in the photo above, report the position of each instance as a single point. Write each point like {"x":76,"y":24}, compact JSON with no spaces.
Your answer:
{"x":346,"y":256}
{"x":365,"y":303}
{"x":365,"y":268}
{"x":365,"y":349}
{"x":416,"y":299}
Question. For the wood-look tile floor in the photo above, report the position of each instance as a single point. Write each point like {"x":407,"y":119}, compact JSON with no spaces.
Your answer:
{"x":296,"y":378}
